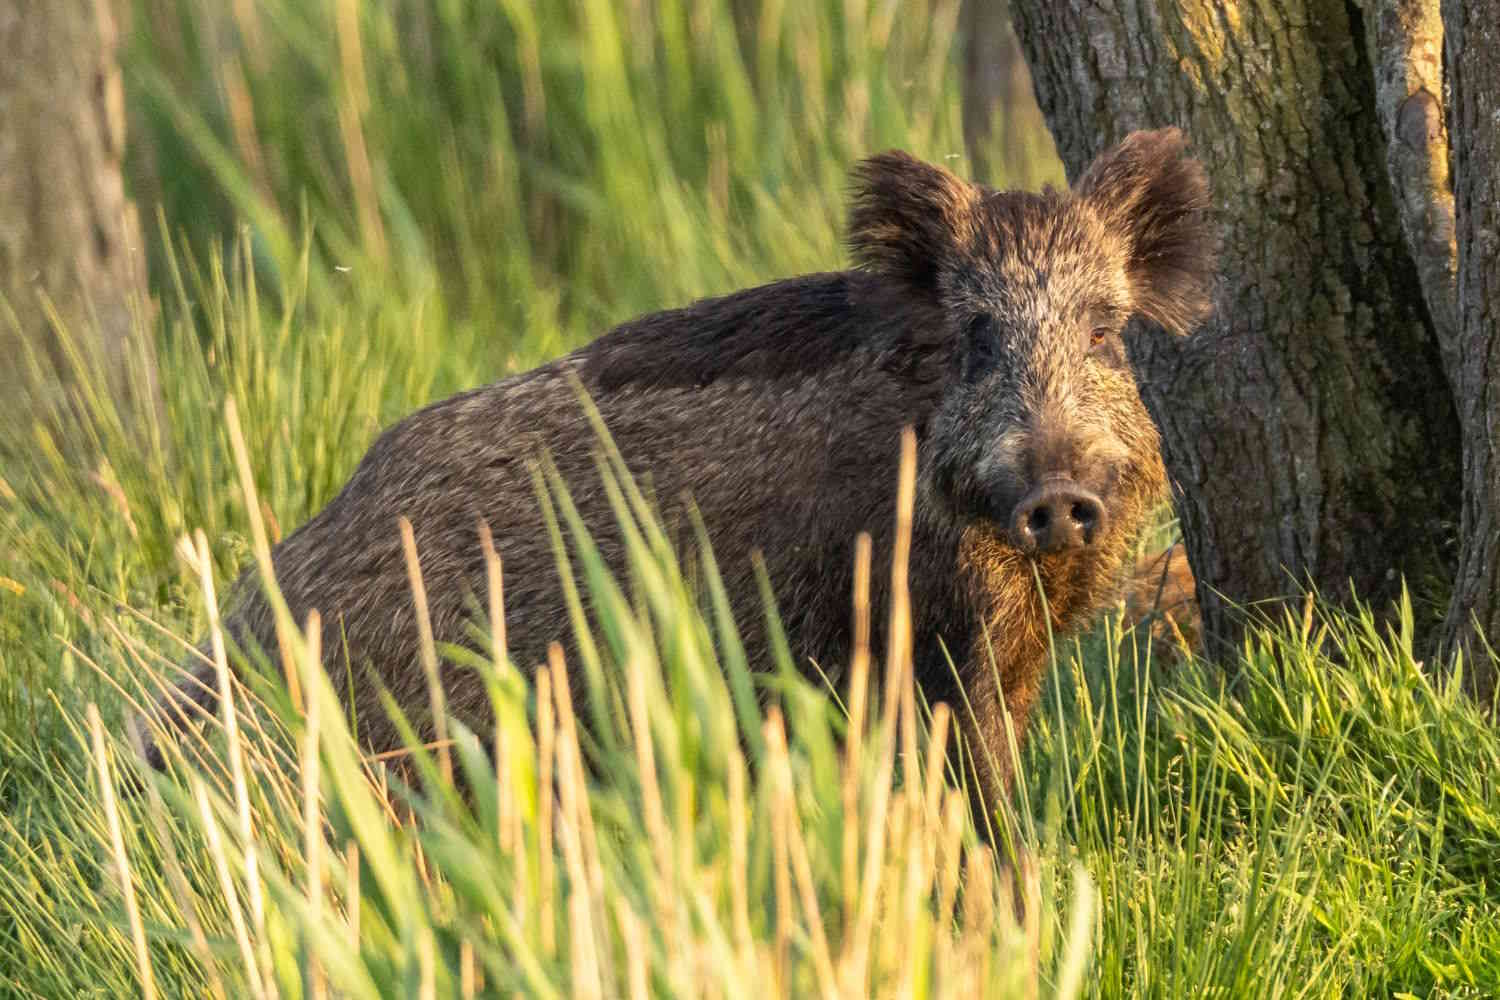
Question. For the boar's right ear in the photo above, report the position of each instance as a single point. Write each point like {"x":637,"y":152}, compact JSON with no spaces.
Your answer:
{"x":909,"y":218}
{"x":1148,"y":190}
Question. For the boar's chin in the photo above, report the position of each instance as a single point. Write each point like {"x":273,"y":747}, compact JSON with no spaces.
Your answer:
{"x":1076,"y":583}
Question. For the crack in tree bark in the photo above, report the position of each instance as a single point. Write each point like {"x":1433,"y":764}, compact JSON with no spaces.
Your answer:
{"x":1471,"y":37}
{"x":1405,"y":42}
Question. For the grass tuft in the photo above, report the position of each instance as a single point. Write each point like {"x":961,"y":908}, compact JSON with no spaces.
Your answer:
{"x":365,"y":206}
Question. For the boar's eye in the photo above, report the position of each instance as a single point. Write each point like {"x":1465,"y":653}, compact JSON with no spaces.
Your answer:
{"x":1102,"y":325}
{"x":981,"y":347}
{"x":1105,"y":347}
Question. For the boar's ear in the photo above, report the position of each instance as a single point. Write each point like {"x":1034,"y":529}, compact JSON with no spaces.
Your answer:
{"x":909,"y":218}
{"x":1154,"y":195}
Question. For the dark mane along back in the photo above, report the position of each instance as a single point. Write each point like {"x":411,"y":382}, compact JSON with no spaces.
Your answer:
{"x":798,"y":326}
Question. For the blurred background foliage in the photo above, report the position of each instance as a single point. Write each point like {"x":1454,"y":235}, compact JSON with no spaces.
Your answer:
{"x":542,"y":171}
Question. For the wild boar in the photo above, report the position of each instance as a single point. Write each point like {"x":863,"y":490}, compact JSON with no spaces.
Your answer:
{"x":989,"y":321}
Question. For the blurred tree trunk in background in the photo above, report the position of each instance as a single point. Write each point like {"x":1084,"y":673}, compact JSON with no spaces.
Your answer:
{"x":1002,"y":123}
{"x":1472,"y":39}
{"x":1308,"y":428}
{"x":68,"y":233}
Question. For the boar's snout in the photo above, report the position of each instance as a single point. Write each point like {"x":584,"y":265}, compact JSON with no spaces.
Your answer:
{"x":1057,"y":516}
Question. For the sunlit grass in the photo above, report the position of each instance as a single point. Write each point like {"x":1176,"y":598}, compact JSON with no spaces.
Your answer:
{"x":644,"y":850}
{"x":366,"y":206}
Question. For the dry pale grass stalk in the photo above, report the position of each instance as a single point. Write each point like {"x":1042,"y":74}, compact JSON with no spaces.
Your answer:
{"x":240,"y":107}
{"x":496,"y":590}
{"x":515,"y":839}
{"x":568,"y":729}
{"x":948,"y":865}
{"x":468,"y":984}
{"x":877,"y":829}
{"x":897,"y":674}
{"x":226,"y":887}
{"x":979,"y":913}
{"x":651,"y":799}
{"x":378,"y":777}
{"x":426,"y":966}
{"x":774,"y":731}
{"x":684,"y":841}
{"x":898,"y":651}
{"x":351,"y":112}
{"x":545,"y":738}
{"x":183,"y":892}
{"x":436,"y":698}
{"x":1076,"y":947}
{"x":247,"y":22}
{"x":510,"y":832}
{"x":312,"y":811}
{"x":796,"y":848}
{"x":418,"y":855}
{"x":581,"y":936}
{"x":911,"y":754}
{"x":859,"y":684}
{"x":153,"y":676}
{"x":917,"y":882}
{"x":937,"y":757}
{"x":578,"y":826}
{"x":634,"y":937}
{"x":351,"y":890}
{"x":901,"y":639}
{"x":122,"y":860}
{"x":739,"y":879}
{"x":260,"y":539}
{"x":921,"y":861}
{"x":928,"y":837}
{"x":896,"y":922}
{"x":264,"y":755}
{"x":235,"y":746}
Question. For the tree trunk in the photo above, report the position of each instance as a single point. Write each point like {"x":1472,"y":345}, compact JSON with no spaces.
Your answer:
{"x":1308,"y":427}
{"x":1472,"y":39}
{"x":1002,"y":123}
{"x":68,"y":233}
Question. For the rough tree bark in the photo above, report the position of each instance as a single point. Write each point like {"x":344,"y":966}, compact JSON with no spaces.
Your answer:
{"x":68,"y":233}
{"x":1472,"y":40}
{"x":1308,"y":427}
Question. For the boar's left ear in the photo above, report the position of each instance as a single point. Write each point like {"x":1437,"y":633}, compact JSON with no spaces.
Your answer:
{"x":1148,"y":190}
{"x":909,"y":218}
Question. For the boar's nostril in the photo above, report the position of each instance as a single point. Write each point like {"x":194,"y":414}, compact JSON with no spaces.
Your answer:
{"x":1085,"y":514}
{"x":1055,"y":516}
{"x":1088,"y":514}
{"x":1038,"y":520}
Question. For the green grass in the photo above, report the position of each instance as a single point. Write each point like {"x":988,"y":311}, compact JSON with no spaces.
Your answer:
{"x":467,"y":190}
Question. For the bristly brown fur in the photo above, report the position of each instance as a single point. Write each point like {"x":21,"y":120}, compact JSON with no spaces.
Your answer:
{"x":989,"y":321}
